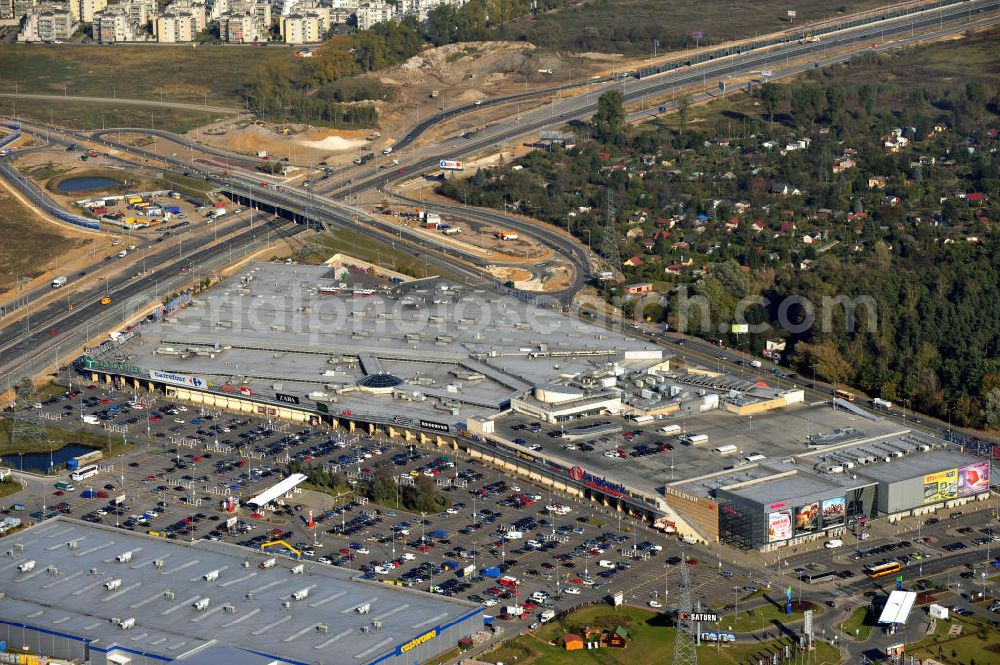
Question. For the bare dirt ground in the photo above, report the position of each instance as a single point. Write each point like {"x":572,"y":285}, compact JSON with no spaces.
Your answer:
{"x":301,"y":143}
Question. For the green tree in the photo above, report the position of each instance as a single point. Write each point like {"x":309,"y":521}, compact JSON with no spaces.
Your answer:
{"x":771,"y":96}
{"x":608,"y":123}
{"x":991,"y":409}
{"x":683,"y":106}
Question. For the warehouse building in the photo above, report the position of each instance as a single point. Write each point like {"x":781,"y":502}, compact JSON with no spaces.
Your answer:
{"x":90,"y":593}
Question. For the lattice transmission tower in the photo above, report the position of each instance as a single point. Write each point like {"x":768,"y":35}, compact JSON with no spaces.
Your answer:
{"x":609,"y":243}
{"x":685,"y":644}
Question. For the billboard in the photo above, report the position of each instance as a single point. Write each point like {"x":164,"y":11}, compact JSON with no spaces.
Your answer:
{"x":974,"y":478}
{"x":177,"y":379}
{"x":451,"y":164}
{"x":941,"y":486}
{"x":736,"y":328}
{"x":834,"y":512}
{"x":807,"y":518}
{"x":779,"y":526}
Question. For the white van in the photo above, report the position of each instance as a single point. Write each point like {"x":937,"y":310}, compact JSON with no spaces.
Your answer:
{"x":604,"y":563}
{"x":833,"y":544}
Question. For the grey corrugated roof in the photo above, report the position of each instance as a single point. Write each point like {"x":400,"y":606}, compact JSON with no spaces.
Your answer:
{"x":66,"y":592}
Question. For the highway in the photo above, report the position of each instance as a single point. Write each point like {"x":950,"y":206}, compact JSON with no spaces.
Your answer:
{"x":336,"y":215}
{"x":580,"y":107}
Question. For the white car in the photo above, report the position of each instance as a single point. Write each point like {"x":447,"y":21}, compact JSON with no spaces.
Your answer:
{"x":452,"y":511}
{"x":490,"y":602}
{"x":656,"y":605}
{"x":324,"y":559}
{"x":573,"y":591}
{"x":362,"y":550}
{"x":515,"y":488}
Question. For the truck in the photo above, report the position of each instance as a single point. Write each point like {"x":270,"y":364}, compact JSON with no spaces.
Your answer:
{"x":59,"y":281}
{"x":216,"y":213}
{"x":513,"y":535}
{"x":547,"y":615}
{"x":878,"y":402}
{"x":467,"y":571}
{"x":122,"y":254}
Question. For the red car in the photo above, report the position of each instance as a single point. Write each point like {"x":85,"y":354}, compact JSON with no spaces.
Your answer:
{"x":58,"y":493}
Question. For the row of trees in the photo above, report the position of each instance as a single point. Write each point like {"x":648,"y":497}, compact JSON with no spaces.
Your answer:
{"x":423,"y":496}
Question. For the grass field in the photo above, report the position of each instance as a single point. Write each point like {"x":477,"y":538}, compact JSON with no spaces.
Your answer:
{"x":860,"y":622}
{"x":979,"y":643}
{"x":90,"y":115}
{"x":651,"y":643}
{"x":319,"y":248}
{"x":28,"y":243}
{"x":8,"y":486}
{"x":766,"y":618}
{"x":56,"y":438}
{"x":630,"y":26}
{"x":210,"y":75}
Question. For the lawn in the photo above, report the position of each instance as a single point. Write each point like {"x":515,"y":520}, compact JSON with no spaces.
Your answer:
{"x":94,"y":115}
{"x":766,"y":617}
{"x":979,"y":643}
{"x":630,"y":26}
{"x":56,"y":438}
{"x":208,"y":75}
{"x":651,"y":643}
{"x":29,"y":244}
{"x":321,"y":247}
{"x":8,"y":486}
{"x":859,"y":621}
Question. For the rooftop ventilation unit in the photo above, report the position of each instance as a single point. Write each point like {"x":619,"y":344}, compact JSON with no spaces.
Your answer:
{"x":301,"y":594}
{"x":111,"y":585}
{"x":127,"y":623}
{"x":18,"y":547}
{"x":211,"y":576}
{"x":93,"y":571}
{"x":124,"y":557}
{"x":26,"y":567}
{"x":158,"y":563}
{"x":200,"y":605}
{"x":364,"y":609}
{"x":249,"y":595}
{"x":298,"y":569}
{"x":322,"y":628}
{"x":229,"y":608}
{"x":286,"y":604}
{"x":73,"y":544}
{"x":52,"y":570}
{"x":168,"y":595}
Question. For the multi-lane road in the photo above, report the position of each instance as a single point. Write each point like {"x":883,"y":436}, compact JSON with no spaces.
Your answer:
{"x":321,"y":205}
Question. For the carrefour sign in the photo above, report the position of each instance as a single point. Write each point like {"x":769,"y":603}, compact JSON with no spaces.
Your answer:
{"x":177,"y":379}
{"x":417,"y":641}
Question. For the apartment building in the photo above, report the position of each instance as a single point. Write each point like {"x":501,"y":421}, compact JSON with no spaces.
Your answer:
{"x":181,"y":21}
{"x":48,"y":22}
{"x":125,"y":22}
{"x":84,"y":10}
{"x":246,"y":22}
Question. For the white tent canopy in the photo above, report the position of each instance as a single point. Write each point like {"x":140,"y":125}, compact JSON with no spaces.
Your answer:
{"x":897,"y":608}
{"x":275,"y":491}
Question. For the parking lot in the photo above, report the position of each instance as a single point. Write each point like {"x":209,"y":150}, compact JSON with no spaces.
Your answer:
{"x":495,"y":530}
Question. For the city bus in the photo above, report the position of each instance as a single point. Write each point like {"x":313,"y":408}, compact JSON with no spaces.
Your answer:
{"x":876,"y":570}
{"x":843,"y":394}
{"x":84,"y":472}
{"x":819,"y":578}
{"x":66,"y":487}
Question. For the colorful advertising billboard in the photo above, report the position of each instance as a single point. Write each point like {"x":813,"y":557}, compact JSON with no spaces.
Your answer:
{"x":807,"y":518}
{"x":974,"y":478}
{"x":941,"y":486}
{"x":834,"y":512}
{"x":779,"y":526}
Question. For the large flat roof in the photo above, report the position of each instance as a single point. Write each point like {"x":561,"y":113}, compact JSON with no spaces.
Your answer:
{"x":66,"y":591}
{"x":459,"y":351}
